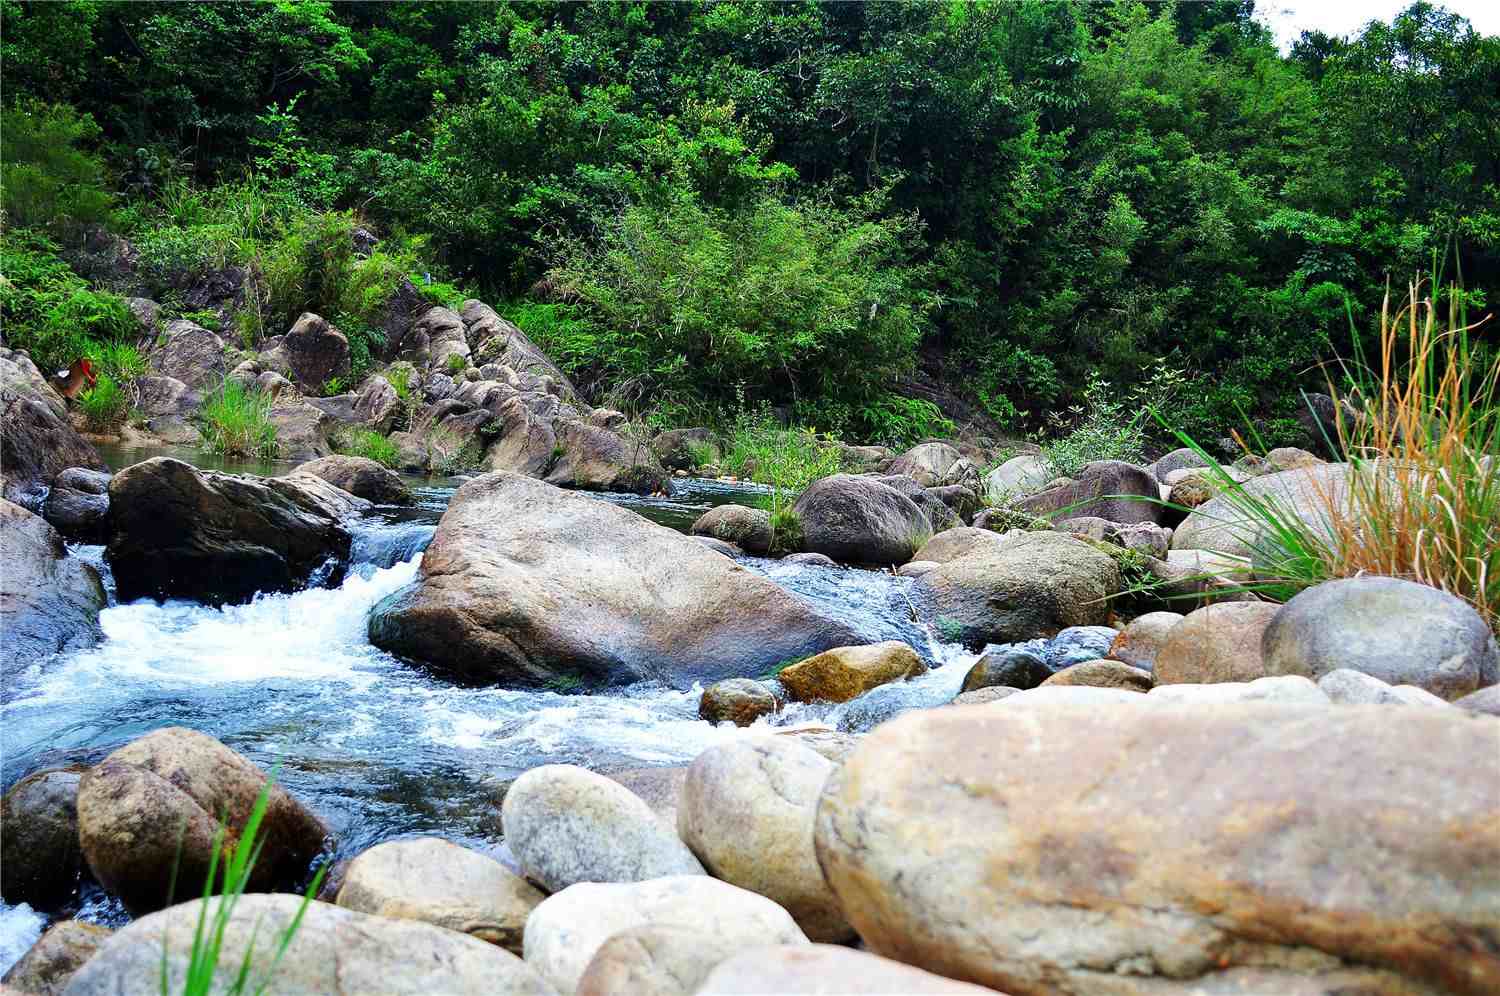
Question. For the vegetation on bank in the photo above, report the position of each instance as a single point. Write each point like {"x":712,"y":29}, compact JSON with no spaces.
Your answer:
{"x":235,"y":421}
{"x":802,"y":203}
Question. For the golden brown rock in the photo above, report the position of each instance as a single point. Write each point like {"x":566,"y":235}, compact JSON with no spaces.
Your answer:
{"x":1103,"y":674}
{"x":1218,"y":642}
{"x":843,"y":673}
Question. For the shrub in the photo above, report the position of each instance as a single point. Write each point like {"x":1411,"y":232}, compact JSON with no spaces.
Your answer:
{"x":787,"y":459}
{"x":456,"y":364}
{"x":104,"y":405}
{"x":49,"y":312}
{"x":235,"y":421}
{"x":372,"y":445}
{"x":1109,"y":425}
{"x":46,"y":179}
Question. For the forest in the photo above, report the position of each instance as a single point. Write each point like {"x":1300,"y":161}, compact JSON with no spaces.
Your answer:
{"x":885,"y":220}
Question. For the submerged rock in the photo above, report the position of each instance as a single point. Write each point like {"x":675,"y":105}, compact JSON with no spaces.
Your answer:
{"x":148,"y":814}
{"x":49,"y":602}
{"x":524,"y":582}
{"x":178,"y":532}
{"x":740,"y":701}
{"x":1243,"y":847}
{"x":333,"y":951}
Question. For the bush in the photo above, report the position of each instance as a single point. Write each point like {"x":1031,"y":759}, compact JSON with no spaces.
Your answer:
{"x":235,"y":421}
{"x":50,"y":312}
{"x":46,"y":178}
{"x":105,"y":405}
{"x":372,"y":445}
{"x":787,"y":459}
{"x":1109,"y":425}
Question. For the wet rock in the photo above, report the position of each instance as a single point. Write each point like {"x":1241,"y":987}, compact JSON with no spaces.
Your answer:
{"x":1216,"y":643}
{"x":983,"y":696}
{"x":45,"y":969}
{"x":928,"y":463}
{"x":152,"y":807}
{"x":1290,"y":688}
{"x":747,"y":528}
{"x":37,"y":442}
{"x":361,"y":477}
{"x":78,"y":515}
{"x":567,"y":930}
{"x":177,"y":532}
{"x":1033,"y":584}
{"x":1398,"y":631}
{"x":1222,"y":524}
{"x":523,"y":582}
{"x":601,"y":460}
{"x":740,"y":701}
{"x":859,"y":520}
{"x":440,"y":883}
{"x":1139,"y":643}
{"x":1009,"y":667}
{"x":1486,"y":700}
{"x":1103,"y":674}
{"x":809,"y":560}
{"x":654,"y":961}
{"x":1028,"y":867}
{"x":333,"y":951}
{"x":685,"y":449}
{"x":566,"y":825}
{"x":1345,"y":686}
{"x":824,"y":968}
{"x":1077,"y":644}
{"x":747,"y":813}
{"x":39,"y":854}
{"x":843,"y":673}
{"x":1110,"y":489}
{"x":1016,"y":477}
{"x":189,"y":353}
{"x":49,"y":602}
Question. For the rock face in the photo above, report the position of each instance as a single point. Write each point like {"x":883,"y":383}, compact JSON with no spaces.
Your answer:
{"x":566,"y":825}
{"x":1221,"y":524}
{"x":37,"y":442}
{"x":843,"y":673}
{"x":1036,"y":863}
{"x":334,"y":951}
{"x":825,"y":968}
{"x":859,"y":520}
{"x":1398,"y":631}
{"x":49,"y":602}
{"x":442,"y":884}
{"x":189,"y":353}
{"x":177,"y":532}
{"x":740,"y":701}
{"x":568,"y":929}
{"x":747,"y":528}
{"x":56,"y":957}
{"x":361,"y":477}
{"x":1216,"y":643}
{"x":39,"y":855}
{"x":1109,"y":489}
{"x":311,"y":353}
{"x":523,"y":582}
{"x":747,"y":813}
{"x":1033,"y":584}
{"x":167,"y":791}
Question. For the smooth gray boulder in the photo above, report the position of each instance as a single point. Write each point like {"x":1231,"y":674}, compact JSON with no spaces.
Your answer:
{"x":1224,"y":524}
{"x":1399,"y":631}
{"x":1345,"y":686}
{"x":860,"y":520}
{"x":1016,"y":477}
{"x":49,"y":601}
{"x":361,"y":477}
{"x":524,"y":582}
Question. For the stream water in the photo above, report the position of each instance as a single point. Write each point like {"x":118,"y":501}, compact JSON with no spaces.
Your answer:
{"x":375,"y":745}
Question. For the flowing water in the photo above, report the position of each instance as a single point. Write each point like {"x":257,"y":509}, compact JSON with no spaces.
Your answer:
{"x":375,"y":745}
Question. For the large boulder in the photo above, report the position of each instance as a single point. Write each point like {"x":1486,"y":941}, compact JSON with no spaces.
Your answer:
{"x":928,"y":464}
{"x":747,"y":528}
{"x":524,"y":582}
{"x":1225,"y":523}
{"x":525,"y":444}
{"x":49,"y":602}
{"x":57,"y":955}
{"x":303,"y":430}
{"x":685,"y":449}
{"x":78,"y":504}
{"x":1032,"y":584}
{"x":860,"y":520}
{"x":442,"y":336}
{"x":361,"y":477}
{"x":587,"y":456}
{"x":1174,"y":850}
{"x":39,"y":855}
{"x":178,"y":532}
{"x":189,"y":353}
{"x":1109,"y":489}
{"x":1219,"y":642}
{"x":148,"y":814}
{"x":825,"y":968}
{"x":377,"y":406}
{"x":1016,"y":477}
{"x":565,"y":932}
{"x":939,"y":515}
{"x":169,"y":407}
{"x":333,"y":950}
{"x":1021,"y":667}
{"x":311,"y":353}
{"x":1401,"y":632}
{"x":747,"y":812}
{"x":1140,"y":642}
{"x":566,"y":825}
{"x":844,"y":673}
{"x":37,"y":442}
{"x":438,"y":882}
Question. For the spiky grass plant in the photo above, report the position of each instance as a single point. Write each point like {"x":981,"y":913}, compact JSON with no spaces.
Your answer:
{"x":235,"y":420}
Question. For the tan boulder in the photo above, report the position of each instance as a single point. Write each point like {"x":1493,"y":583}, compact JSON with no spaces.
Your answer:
{"x":825,"y":968}
{"x":1218,"y":642}
{"x":843,"y":673}
{"x":1103,"y":674}
{"x":1241,"y":845}
{"x":655,"y":961}
{"x":44,"y":970}
{"x":1141,"y":640}
{"x":740,"y":701}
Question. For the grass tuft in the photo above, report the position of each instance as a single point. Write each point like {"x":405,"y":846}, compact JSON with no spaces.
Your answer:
{"x":235,"y":421}
{"x":371,"y":444}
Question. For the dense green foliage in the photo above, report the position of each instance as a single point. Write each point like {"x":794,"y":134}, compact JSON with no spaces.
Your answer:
{"x":797,"y":203}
